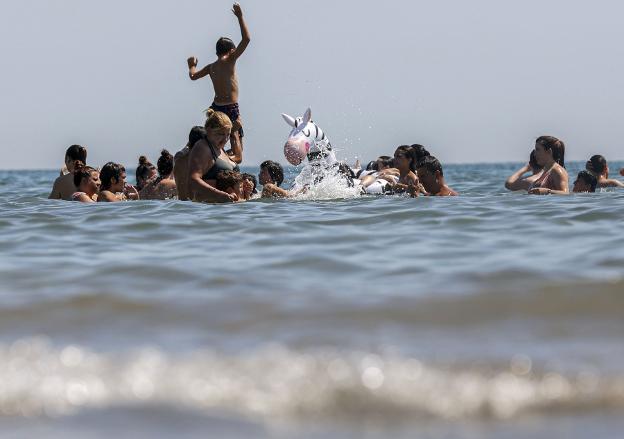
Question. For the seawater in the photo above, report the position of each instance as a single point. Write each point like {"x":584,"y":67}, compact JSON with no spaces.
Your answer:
{"x":493,"y":314}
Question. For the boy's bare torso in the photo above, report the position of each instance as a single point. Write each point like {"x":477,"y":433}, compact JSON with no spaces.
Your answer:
{"x":224,"y":81}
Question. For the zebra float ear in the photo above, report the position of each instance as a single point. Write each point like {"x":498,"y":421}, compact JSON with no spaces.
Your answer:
{"x":289,"y":120}
{"x":307,"y":116}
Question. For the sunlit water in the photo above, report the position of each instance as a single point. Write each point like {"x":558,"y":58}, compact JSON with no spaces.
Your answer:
{"x":492,"y":314}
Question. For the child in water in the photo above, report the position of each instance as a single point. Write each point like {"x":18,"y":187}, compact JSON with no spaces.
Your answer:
{"x":231,"y":182}
{"x":225,"y":81}
{"x":87,"y":181}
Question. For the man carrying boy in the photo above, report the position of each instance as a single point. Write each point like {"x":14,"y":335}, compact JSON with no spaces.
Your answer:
{"x":225,"y":82}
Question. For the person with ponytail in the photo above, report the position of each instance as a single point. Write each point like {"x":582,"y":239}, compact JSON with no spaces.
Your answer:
{"x":114,"y":187}
{"x":598,"y":167}
{"x":144,"y":172}
{"x":550,"y":154}
{"x":87,"y":183}
{"x":162,"y":187}
{"x":63,"y":187}
{"x":207,"y":158}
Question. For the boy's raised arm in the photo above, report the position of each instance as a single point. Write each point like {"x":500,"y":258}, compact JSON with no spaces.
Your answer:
{"x":193,"y":73}
{"x":236,"y":9}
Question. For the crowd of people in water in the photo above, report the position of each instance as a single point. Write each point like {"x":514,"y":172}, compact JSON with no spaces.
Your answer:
{"x":205,"y":171}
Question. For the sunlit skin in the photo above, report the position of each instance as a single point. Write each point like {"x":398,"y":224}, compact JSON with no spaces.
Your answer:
{"x":201,"y":161}
{"x":222,"y":72}
{"x":248,"y":188}
{"x":557,"y":181}
{"x":408,"y":180}
{"x":63,"y":187}
{"x":118,"y":191}
{"x":604,"y":180}
{"x":91,"y":188}
{"x":269,"y":188}
{"x":518,"y":182}
{"x":434,"y":183}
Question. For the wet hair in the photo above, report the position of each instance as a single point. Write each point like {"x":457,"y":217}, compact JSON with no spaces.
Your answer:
{"x":589,"y":179}
{"x":165,"y":163}
{"x":556,"y":146}
{"x":431,"y":164}
{"x":217,"y":121}
{"x":76,"y":152}
{"x":275,"y":171}
{"x":596,"y":164}
{"x":224,"y":45}
{"x":197,"y":133}
{"x":254,"y":181}
{"x":410,"y":153}
{"x":143,"y":170}
{"x":371,"y":165}
{"x":81,"y":172}
{"x":420,"y":152}
{"x":385,"y":160}
{"x":108,"y":172}
{"x":533,"y":162}
{"x":228,"y":179}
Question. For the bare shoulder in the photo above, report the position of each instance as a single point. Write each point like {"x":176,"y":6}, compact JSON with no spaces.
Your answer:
{"x":107,"y":197}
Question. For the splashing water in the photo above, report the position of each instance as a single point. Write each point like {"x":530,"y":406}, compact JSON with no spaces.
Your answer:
{"x":325,"y":183}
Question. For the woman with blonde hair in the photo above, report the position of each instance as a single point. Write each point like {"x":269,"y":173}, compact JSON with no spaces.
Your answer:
{"x":207,"y":158}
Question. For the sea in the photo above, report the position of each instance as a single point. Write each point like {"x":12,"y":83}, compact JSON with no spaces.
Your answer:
{"x":334,"y":315}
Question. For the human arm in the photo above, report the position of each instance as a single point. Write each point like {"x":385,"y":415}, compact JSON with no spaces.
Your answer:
{"x":611,"y":182}
{"x":559,"y":186}
{"x":271,"y":190}
{"x":131,"y":192}
{"x":516,"y":183}
{"x":245,"y":37}
{"x":56,"y":193}
{"x":201,"y":160}
{"x":195,"y":74}
{"x":84,"y":198}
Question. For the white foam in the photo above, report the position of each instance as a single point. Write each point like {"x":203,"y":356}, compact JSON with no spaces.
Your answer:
{"x":278,"y":383}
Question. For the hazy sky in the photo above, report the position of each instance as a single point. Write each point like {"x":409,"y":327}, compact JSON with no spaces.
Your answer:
{"x":473,"y":81}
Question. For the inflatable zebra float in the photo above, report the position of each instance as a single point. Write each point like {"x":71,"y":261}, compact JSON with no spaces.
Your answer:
{"x":307,"y":139}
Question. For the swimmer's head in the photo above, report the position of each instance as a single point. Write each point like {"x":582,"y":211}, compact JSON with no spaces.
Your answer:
{"x":113,"y":177}
{"x":585,"y":182}
{"x":225,"y":46}
{"x":144,"y":172}
{"x":271,"y":172}
{"x":230,"y":182}
{"x":420,"y":152}
{"x":597,"y":165}
{"x":383,"y":162}
{"x":75,"y":153}
{"x":535,"y":167}
{"x":547,"y":147}
{"x":218,"y":128}
{"x":165,"y":163}
{"x":430,"y":172}
{"x":197,"y":133}
{"x":86,"y":178}
{"x":405,"y":156}
{"x":249,"y":185}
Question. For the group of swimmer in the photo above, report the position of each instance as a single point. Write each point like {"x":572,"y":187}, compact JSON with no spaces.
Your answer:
{"x":205,"y":171}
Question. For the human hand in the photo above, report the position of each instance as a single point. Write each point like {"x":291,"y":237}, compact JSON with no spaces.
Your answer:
{"x":540,"y":191}
{"x":236,"y":9}
{"x":192,"y":62}
{"x":131,"y":192}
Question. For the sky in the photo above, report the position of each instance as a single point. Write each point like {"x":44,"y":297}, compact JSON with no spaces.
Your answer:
{"x":473,"y":81}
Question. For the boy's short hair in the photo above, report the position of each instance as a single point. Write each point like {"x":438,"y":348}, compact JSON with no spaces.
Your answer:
{"x":76,"y":152}
{"x":589,"y":179}
{"x":275,"y":171}
{"x":228,"y":179}
{"x":224,"y":45}
{"x":431,"y":164}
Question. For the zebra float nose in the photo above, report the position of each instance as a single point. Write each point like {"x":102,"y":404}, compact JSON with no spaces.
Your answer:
{"x":296,"y":150}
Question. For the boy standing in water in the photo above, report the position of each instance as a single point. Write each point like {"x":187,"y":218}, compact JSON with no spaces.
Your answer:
{"x":225,"y":82}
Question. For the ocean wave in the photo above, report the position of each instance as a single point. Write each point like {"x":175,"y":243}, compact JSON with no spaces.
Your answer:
{"x":37,"y":379}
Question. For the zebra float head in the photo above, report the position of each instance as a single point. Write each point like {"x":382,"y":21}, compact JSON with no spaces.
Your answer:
{"x":307,"y":140}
